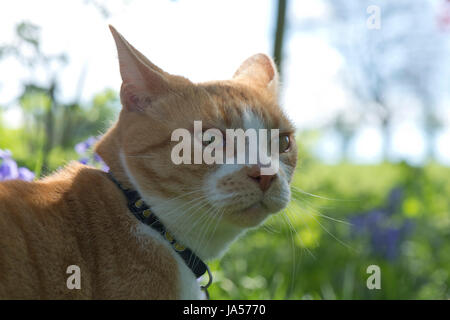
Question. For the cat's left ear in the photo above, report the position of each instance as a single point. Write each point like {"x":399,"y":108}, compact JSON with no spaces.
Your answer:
{"x":143,"y":82}
{"x":259,"y":70}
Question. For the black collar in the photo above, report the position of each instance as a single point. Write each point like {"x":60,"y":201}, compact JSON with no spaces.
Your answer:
{"x":144,"y":214}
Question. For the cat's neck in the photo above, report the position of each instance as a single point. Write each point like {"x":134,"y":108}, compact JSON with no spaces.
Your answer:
{"x":192,"y":223}
{"x":202,"y":230}
{"x":108,"y":148}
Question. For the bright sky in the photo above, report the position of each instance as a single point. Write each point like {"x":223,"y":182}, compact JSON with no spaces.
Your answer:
{"x":201,"y":40}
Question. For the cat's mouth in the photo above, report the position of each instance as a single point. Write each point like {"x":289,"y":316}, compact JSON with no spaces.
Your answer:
{"x":250,"y":208}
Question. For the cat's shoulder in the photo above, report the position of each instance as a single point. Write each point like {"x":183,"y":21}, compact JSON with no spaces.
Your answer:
{"x":66,"y":179}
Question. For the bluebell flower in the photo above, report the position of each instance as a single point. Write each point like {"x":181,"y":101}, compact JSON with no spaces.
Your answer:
{"x":84,"y":149}
{"x":84,"y":160}
{"x":104,"y":167}
{"x":5,"y":154}
{"x":366,"y":221}
{"x":395,"y":199}
{"x":385,"y":239}
{"x":9,"y":170}
{"x":97,"y":158}
{"x":25,"y":174}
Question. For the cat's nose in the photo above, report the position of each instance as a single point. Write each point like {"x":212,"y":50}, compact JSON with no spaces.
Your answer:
{"x":264,"y":181}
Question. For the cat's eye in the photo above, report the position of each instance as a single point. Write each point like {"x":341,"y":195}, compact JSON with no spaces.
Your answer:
{"x":284,"y":143}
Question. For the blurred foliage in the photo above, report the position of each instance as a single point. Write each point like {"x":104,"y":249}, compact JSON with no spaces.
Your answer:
{"x":51,"y":126}
{"x":71,"y":123}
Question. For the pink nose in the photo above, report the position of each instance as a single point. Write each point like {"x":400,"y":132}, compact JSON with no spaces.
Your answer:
{"x":263,"y":180}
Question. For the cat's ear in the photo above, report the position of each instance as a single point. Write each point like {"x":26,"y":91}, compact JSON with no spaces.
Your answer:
{"x":143,"y":82}
{"x":259,"y":70}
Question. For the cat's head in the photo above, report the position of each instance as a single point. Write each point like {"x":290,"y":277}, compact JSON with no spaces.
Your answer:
{"x":139,"y":148}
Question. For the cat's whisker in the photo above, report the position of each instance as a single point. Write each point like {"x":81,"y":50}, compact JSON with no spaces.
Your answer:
{"x":332,"y":235}
{"x":298,"y":190}
{"x":269,"y":229}
{"x":214,"y":215}
{"x":300,"y":238}
{"x":174,"y":211}
{"x":169,"y":200}
{"x":333,"y":219}
{"x":321,"y":214}
{"x":187,"y":211}
{"x":219,"y":218}
{"x":205,"y":219}
{"x":201,"y":220}
{"x":292,"y":231}
{"x":182,"y":205}
{"x":160,"y":206}
{"x":218,"y":221}
{"x":306,"y":225}
{"x":182,"y":195}
{"x":140,"y":156}
{"x":210,"y":218}
{"x":194,"y":209}
{"x":301,"y":199}
{"x":180,"y":209}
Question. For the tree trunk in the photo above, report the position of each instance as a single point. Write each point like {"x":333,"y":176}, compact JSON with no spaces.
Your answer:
{"x":279,"y":33}
{"x":49,"y":130}
{"x":386,"y":140}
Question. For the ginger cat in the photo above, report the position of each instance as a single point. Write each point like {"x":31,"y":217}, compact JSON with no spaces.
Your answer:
{"x":79,"y":216}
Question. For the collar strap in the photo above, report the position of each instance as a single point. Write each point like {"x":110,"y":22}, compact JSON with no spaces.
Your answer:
{"x":143,"y":213}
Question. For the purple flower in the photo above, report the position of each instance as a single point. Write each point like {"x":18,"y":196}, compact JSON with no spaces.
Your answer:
{"x":8,"y":169}
{"x":105,"y":167}
{"x":87,"y":158}
{"x":395,"y":200}
{"x":385,"y":239}
{"x":97,"y":158}
{"x":83,"y":147}
{"x":25,"y":174}
{"x":84,"y":160}
{"x":5,"y":154}
{"x":367,"y":221}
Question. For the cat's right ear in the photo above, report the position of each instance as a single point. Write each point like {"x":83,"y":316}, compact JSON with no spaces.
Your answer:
{"x":143,"y":82}
{"x":259,"y":70}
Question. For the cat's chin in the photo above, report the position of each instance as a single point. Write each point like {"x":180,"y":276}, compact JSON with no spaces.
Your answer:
{"x":251,"y":216}
{"x":255,"y":209}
